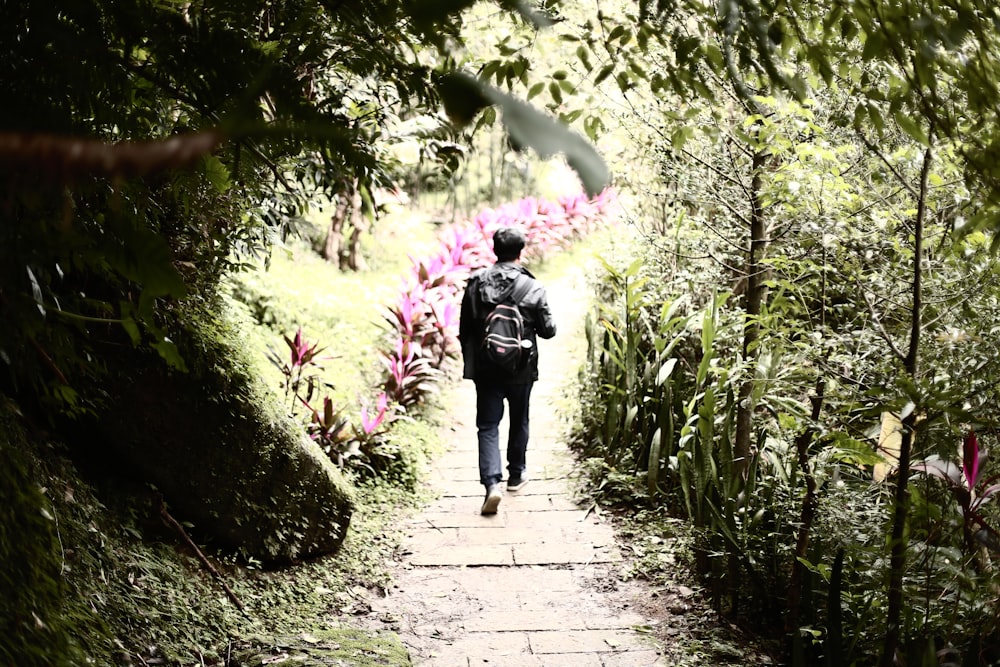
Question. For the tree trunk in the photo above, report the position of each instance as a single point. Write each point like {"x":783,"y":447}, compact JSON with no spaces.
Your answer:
{"x":810,"y":503}
{"x":335,"y":233}
{"x":897,"y":557}
{"x":352,"y":254}
{"x":754,"y":299}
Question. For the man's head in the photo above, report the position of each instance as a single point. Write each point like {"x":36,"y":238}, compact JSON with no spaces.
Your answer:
{"x":508,"y":242}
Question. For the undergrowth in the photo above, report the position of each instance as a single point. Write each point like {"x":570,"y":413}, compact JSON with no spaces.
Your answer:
{"x":130,"y":589}
{"x":133,"y":592}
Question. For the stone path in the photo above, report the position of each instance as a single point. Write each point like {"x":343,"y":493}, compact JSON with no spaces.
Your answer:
{"x":532,"y":586}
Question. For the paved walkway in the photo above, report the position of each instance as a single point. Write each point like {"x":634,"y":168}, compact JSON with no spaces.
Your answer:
{"x":532,"y":586}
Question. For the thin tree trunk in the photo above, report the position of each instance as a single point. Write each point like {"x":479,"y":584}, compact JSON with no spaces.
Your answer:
{"x":897,"y":558}
{"x":808,"y":514}
{"x":351,"y":256}
{"x":335,"y":233}
{"x":751,"y":330}
{"x":811,"y":501}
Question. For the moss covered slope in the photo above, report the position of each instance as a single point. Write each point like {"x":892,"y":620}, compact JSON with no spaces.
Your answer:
{"x":215,"y":442}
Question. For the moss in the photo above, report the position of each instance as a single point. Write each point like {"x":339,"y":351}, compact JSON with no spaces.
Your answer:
{"x":32,"y":628}
{"x":112,"y":585}
{"x":336,"y":647}
{"x":217,"y":444}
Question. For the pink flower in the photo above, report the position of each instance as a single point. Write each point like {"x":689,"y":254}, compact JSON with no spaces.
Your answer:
{"x":370,"y":423}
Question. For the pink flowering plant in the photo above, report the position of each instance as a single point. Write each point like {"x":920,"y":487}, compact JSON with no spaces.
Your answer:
{"x":360,"y":445}
{"x":424,"y":321}
{"x":409,"y":374}
{"x":372,"y":434}
{"x":300,"y":368}
{"x":971,"y":489}
{"x":423,"y":326}
{"x":329,"y":428}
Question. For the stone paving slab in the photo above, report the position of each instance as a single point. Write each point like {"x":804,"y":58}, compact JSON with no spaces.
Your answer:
{"x":541,"y":464}
{"x":583,"y":641}
{"x":512,"y":620}
{"x":547,"y":519}
{"x":455,"y":520}
{"x":645,"y":658}
{"x":419,"y":539}
{"x":536,"y":487}
{"x":510,"y":503}
{"x":481,"y":648}
{"x":470,"y":556}
{"x":555,"y":554}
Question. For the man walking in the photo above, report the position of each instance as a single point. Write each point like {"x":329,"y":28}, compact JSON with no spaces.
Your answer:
{"x":506,"y":282}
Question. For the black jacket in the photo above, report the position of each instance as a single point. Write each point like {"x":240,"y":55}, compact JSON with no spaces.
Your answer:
{"x":484,"y":290}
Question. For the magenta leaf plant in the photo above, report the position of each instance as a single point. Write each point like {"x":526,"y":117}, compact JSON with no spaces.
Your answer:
{"x":300,"y":368}
{"x":370,"y":422}
{"x":329,"y":428}
{"x":968,"y":486}
{"x":423,"y":324}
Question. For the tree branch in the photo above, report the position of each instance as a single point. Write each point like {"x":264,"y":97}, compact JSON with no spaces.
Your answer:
{"x":179,"y":529}
{"x":64,"y":158}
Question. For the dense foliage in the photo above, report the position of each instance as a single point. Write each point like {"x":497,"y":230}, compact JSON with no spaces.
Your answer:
{"x":802,"y":360}
{"x":810,"y":319}
{"x":145,"y":146}
{"x":147,"y":149}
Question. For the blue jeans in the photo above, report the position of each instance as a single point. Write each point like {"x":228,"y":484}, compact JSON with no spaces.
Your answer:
{"x":490,"y":396}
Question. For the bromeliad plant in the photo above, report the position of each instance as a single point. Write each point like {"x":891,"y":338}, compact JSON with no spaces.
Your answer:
{"x":970,"y":489}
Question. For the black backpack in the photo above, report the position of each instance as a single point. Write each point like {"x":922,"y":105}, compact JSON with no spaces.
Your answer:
{"x":505,"y":344}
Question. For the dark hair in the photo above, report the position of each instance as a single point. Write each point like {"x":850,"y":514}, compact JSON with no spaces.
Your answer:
{"x":508,"y":242}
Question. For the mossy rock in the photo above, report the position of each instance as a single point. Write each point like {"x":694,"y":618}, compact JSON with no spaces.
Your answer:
{"x":338,"y":647}
{"x":217,"y":444}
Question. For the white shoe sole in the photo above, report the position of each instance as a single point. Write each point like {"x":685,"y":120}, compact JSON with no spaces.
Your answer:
{"x":518,"y":487}
{"x":491,"y":504}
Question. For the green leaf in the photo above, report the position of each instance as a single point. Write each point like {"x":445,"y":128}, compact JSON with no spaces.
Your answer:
{"x":912,"y":128}
{"x":653,"y":467}
{"x":168,"y":351}
{"x":36,"y":291}
{"x":462,"y":99}
{"x":603,"y":74}
{"x":854,"y":452}
{"x":426,"y":14}
{"x":529,"y":127}
{"x":555,"y":92}
{"x":529,"y":14}
{"x":665,"y":371}
{"x":681,"y":136}
{"x":217,"y":173}
{"x":128,"y":323}
{"x":144,"y":257}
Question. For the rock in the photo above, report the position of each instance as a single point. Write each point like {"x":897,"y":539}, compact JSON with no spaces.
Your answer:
{"x":217,"y":444}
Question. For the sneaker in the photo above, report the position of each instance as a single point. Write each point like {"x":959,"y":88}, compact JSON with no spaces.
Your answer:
{"x":517,"y":483}
{"x":493,"y":496}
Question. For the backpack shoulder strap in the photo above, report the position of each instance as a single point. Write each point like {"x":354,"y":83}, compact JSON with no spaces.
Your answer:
{"x":522,"y":284}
